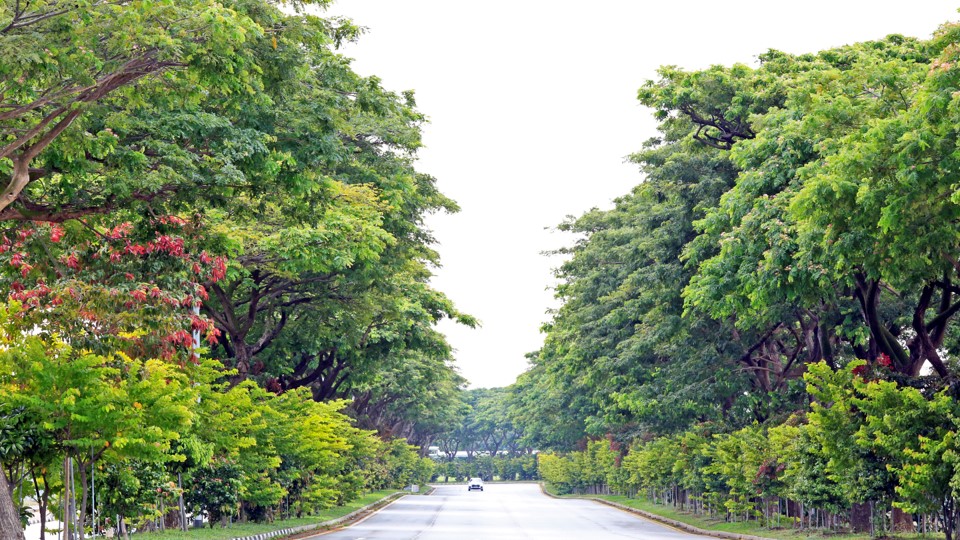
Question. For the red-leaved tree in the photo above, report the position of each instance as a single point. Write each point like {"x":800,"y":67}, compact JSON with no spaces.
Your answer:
{"x":130,"y":286}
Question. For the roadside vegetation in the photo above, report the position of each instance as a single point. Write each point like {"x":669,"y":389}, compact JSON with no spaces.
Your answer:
{"x":720,"y":525}
{"x":765,"y":329}
{"x":490,"y":469}
{"x":248,"y":529}
{"x":215,"y":298}
{"x":483,"y":442}
{"x":214,"y":271}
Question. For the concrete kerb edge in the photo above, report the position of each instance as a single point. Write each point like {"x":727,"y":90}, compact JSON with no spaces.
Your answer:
{"x":326,"y":524}
{"x":660,"y":519}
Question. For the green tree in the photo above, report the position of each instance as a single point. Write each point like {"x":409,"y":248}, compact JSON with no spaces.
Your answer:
{"x":215,"y":489}
{"x":61,"y":60}
{"x":139,"y":159}
{"x":859,"y":470}
{"x":96,"y":407}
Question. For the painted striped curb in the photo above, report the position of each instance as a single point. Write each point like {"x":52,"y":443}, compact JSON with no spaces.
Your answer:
{"x":324,"y":525}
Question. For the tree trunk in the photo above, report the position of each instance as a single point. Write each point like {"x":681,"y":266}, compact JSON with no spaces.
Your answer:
{"x":950,"y":513}
{"x":43,"y":500}
{"x":241,"y":362}
{"x":84,"y":497}
{"x":66,"y":522}
{"x":860,"y":517}
{"x":793,"y":510}
{"x":902,"y":521}
{"x":75,"y":520}
{"x":183,"y":510}
{"x":10,"y":528}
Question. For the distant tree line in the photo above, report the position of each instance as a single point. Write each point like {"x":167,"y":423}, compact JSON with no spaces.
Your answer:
{"x":501,"y":468}
{"x":483,"y":427}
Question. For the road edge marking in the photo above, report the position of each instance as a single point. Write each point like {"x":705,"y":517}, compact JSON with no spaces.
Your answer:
{"x":346,"y":524}
{"x":353,"y":518}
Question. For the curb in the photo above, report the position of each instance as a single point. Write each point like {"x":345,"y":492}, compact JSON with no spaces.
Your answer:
{"x":662,"y":520}
{"x":326,"y":524}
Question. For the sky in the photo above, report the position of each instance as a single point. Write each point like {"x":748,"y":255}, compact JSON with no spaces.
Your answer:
{"x":532,"y":107}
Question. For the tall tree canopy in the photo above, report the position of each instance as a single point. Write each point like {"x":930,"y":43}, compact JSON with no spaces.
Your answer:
{"x":798,"y":211}
{"x":772,"y":312}
{"x":196,"y":179}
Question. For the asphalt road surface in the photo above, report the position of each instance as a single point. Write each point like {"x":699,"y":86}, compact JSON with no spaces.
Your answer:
{"x":501,"y":512}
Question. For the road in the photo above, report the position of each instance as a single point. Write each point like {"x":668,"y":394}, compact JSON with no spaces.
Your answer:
{"x":502,"y":512}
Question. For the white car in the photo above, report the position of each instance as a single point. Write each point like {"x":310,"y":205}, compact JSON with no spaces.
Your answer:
{"x":475,"y":483}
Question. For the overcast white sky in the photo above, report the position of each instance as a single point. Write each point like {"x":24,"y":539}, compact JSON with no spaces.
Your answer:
{"x":532,"y":107}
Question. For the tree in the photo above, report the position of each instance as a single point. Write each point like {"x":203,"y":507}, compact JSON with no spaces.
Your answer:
{"x":216,"y":490}
{"x":140,"y":160}
{"x":917,"y":436}
{"x":799,"y":211}
{"x":287,"y":270}
{"x":26,"y":450}
{"x":95,"y":406}
{"x":127,"y":286}
{"x":63,"y":59}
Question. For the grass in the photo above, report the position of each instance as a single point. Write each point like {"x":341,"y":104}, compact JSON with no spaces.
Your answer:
{"x":740,"y":527}
{"x":713,"y":524}
{"x":246,"y":529}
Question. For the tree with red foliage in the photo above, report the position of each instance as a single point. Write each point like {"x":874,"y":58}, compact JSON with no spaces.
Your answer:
{"x":130,"y":286}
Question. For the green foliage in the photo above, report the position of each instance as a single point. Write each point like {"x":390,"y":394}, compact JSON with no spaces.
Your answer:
{"x":557,"y":472}
{"x":895,"y":433}
{"x":504,"y":468}
{"x":804,"y":463}
{"x":793,"y":217}
{"x":221,"y":156}
{"x":215,"y":489}
{"x":652,"y":465}
{"x":862,"y":441}
{"x":404,"y":466}
{"x":241,"y":448}
{"x":589,"y":471}
{"x":484,"y":425}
